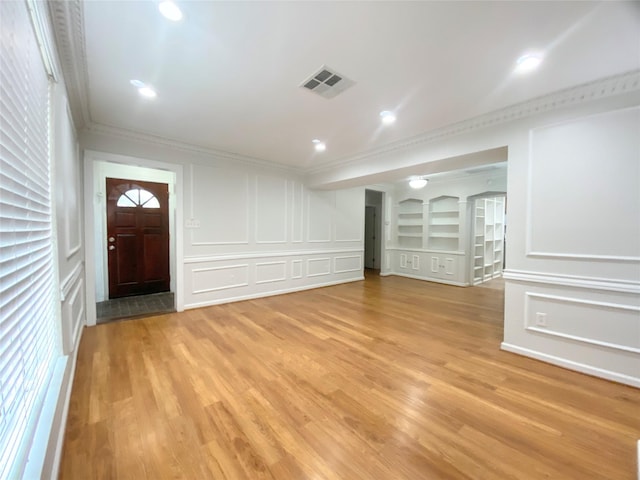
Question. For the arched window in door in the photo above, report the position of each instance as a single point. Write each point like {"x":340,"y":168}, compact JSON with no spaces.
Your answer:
{"x":138,"y":197}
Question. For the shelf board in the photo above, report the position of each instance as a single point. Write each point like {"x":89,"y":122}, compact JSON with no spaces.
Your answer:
{"x":443,"y":235}
{"x":411,"y":235}
{"x":445,"y":212}
{"x":477,"y":257}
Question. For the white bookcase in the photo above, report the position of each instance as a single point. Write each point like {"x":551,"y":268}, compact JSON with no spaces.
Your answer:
{"x":488,"y":238}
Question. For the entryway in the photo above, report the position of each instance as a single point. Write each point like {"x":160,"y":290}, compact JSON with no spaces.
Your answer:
{"x":137,"y":237}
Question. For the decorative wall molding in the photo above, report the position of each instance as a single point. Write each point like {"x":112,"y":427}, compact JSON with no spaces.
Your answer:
{"x":269,"y":294}
{"x":320,"y":262}
{"x":68,"y":25}
{"x":357,"y":268}
{"x":296,"y":269}
{"x":534,"y":169}
{"x":285,"y":208}
{"x":586,"y":92}
{"x":281,"y":277}
{"x":571,"y":365}
{"x":278,"y":254}
{"x":227,"y":286}
{"x":67,"y":283}
{"x":530,"y":323}
{"x":590,"y":341}
{"x":590,"y":283}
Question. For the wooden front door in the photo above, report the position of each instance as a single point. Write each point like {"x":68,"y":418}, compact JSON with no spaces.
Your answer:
{"x":137,"y":237}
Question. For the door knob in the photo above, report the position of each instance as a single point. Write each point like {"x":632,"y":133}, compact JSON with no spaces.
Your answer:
{"x":112,"y":247}
{"x":111,"y":239}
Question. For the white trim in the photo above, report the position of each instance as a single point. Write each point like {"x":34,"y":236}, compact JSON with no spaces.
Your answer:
{"x":427,"y":279}
{"x":40,"y":22}
{"x":530,"y":252}
{"x":269,"y":294}
{"x":250,"y":255}
{"x":577,"y":281}
{"x":91,"y":157}
{"x":571,"y":256}
{"x":358,"y":269}
{"x":570,"y":365}
{"x":322,"y":259}
{"x":70,"y":280}
{"x":271,"y":280}
{"x":576,"y":95}
{"x":590,"y":341}
{"x":425,"y":250}
{"x":226,"y":287}
{"x":296,"y":262}
{"x":257,"y":208}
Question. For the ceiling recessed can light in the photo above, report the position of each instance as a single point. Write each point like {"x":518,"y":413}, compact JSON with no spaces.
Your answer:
{"x":418,"y":182}
{"x":528,"y":63}
{"x":147,"y":92}
{"x":137,"y":83}
{"x":170,"y":10}
{"x":319,"y":145}
{"x":387,"y":117}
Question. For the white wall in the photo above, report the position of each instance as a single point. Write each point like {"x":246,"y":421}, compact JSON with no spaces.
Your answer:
{"x":249,"y":230}
{"x":574,"y":219}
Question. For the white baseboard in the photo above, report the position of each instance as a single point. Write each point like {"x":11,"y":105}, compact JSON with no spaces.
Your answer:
{"x":268,"y":294}
{"x":570,"y":365}
{"x":428,"y":279}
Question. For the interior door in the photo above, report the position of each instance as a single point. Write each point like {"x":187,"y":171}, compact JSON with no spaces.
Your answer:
{"x":137,"y":237}
{"x":369,"y":236}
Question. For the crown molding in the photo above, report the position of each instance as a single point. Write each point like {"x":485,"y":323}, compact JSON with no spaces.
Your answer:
{"x":67,"y":18}
{"x":579,"y":94}
{"x":125,"y":134}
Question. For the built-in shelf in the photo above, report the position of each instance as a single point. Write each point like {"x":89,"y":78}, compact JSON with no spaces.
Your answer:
{"x":410,"y":223}
{"x":444,"y":224}
{"x":488,"y":222}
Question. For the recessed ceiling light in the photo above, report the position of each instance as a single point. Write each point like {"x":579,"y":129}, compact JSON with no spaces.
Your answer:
{"x":147,"y":92}
{"x":528,"y":63}
{"x":137,"y":83}
{"x":387,"y":117}
{"x":170,"y":10}
{"x":418,"y":182}
{"x":319,"y":145}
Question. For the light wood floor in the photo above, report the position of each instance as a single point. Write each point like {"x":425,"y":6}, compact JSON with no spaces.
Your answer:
{"x":390,"y":378}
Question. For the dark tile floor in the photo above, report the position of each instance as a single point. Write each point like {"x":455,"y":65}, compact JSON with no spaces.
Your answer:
{"x":134,"y":306}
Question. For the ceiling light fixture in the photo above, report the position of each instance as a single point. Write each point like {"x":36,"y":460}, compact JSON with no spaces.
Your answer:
{"x":143,"y":89}
{"x":528,"y":63}
{"x":170,"y":10}
{"x":147,"y":92}
{"x":319,"y":146}
{"x":387,"y":117}
{"x":418,"y":182}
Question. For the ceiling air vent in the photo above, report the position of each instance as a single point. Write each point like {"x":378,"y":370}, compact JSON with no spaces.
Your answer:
{"x":327,"y":83}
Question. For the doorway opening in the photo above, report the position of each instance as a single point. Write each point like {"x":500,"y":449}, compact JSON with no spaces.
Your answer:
{"x":373,"y":230}
{"x":143,"y":288}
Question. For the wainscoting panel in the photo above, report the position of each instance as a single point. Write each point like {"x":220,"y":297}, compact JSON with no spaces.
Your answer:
{"x":591,"y":329}
{"x":268,"y":272}
{"x":228,"y":278}
{"x":347,"y":263}
{"x":271,"y":209}
{"x":612,"y":325}
{"x":211,"y":279}
{"x":318,"y":266}
{"x":221,"y":206}
{"x":319,"y":218}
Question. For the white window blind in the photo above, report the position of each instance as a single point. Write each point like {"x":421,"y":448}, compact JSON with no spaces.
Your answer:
{"x":27,"y":303}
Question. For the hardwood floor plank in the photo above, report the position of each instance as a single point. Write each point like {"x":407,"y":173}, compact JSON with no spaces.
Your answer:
{"x":389,"y":378}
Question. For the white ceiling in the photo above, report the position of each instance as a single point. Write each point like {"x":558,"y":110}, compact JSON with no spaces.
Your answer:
{"x":228,"y":75}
